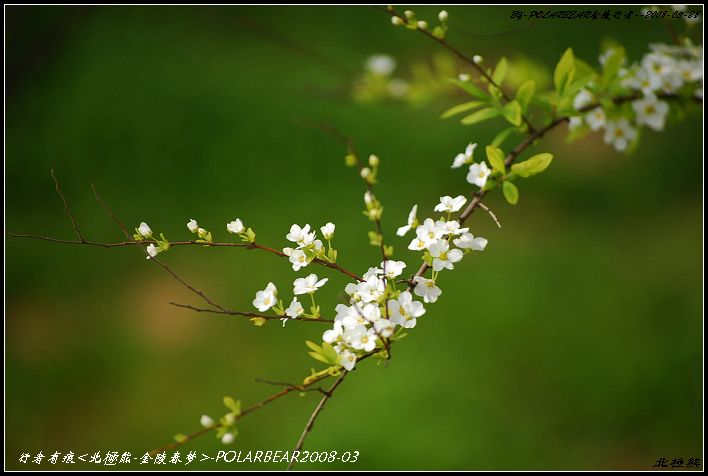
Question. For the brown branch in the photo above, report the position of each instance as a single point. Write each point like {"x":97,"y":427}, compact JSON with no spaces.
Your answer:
{"x":314,"y":415}
{"x":245,"y":412}
{"x":246,"y":314}
{"x":110,"y":213}
{"x":74,"y":223}
{"x":441,"y":41}
{"x":274,"y":251}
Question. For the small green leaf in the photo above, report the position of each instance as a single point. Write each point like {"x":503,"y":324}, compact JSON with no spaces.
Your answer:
{"x":258,"y":321}
{"x":232,"y":404}
{"x":565,"y":71}
{"x":511,"y":193}
{"x":481,"y":115}
{"x":313,"y":346}
{"x":464,"y":107}
{"x":319,"y":357}
{"x":472,"y":89}
{"x":512,"y":112}
{"x":535,"y":165}
{"x":525,"y":93}
{"x":500,"y":71}
{"x":180,"y":438}
{"x":612,"y":65}
{"x":496,"y":159}
{"x":502,"y":136}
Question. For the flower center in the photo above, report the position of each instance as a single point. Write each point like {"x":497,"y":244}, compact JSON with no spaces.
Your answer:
{"x":649,"y":110}
{"x":443,"y":256}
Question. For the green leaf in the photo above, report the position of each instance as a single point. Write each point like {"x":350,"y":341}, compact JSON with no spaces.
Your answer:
{"x":525,"y":93}
{"x":481,"y":115}
{"x":500,"y":71}
{"x":535,"y":165}
{"x":565,"y":71}
{"x":319,"y":357}
{"x":471,"y":88}
{"x":313,"y":346}
{"x":464,"y":107}
{"x":180,"y":438}
{"x":512,"y":112}
{"x":496,"y":158}
{"x":511,"y":193}
{"x":232,"y":404}
{"x":502,"y":136}
{"x":612,"y":65}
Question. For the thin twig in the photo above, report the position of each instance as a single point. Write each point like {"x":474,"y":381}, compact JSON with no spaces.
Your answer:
{"x":315,"y":414}
{"x":67,"y":208}
{"x":213,"y":244}
{"x":247,"y":314}
{"x":490,"y":212}
{"x":441,"y":41}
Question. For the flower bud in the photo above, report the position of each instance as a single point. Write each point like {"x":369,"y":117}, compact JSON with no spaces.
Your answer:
{"x":423,"y":25}
{"x":397,"y":21}
{"x":374,"y":161}
{"x":477,"y":59}
{"x":442,"y":16}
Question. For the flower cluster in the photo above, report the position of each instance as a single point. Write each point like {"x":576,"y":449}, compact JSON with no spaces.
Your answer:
{"x":667,"y":70}
{"x":268,"y":298}
{"x":309,"y":247}
{"x":378,"y":310}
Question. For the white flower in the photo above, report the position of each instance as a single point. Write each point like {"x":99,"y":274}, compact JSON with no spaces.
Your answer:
{"x":404,"y":311}
{"x":451,"y":227}
{"x":582,"y":99}
{"x":371,"y":289}
{"x":144,"y":230}
{"x":449,"y":204}
{"x":308,"y":285}
{"x":295,"y":309}
{"x":426,"y":289}
{"x":384,"y":327}
{"x":442,"y":16}
{"x":380,"y":65}
{"x":393,"y":268}
{"x":651,"y":111}
{"x":468,"y":241}
{"x":206,"y":421}
{"x":418,"y":244}
{"x":478,"y":174}
{"x":372,"y":272}
{"x":443,"y":256}
{"x":192,"y":225}
{"x":463,"y":77}
{"x":328,"y":231}
{"x":347,"y":359}
{"x":644,"y":81}
{"x":235,"y":226}
{"x":301,"y":236}
{"x":477,"y":59}
{"x":596,"y":119}
{"x":464,"y":157}
{"x":228,"y":438}
{"x":362,"y":338}
{"x":298,"y":258}
{"x":152,"y":251}
{"x":411,"y":221}
{"x":574,"y":122}
{"x":331,"y":335}
{"x":690,"y":71}
{"x":657,"y":64}
{"x":619,"y":133}
{"x":348,"y":316}
{"x":265,"y":299}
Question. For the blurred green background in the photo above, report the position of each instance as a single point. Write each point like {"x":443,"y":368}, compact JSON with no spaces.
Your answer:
{"x":573,"y":342}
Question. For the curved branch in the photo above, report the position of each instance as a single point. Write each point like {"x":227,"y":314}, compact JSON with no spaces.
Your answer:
{"x":441,"y":41}
{"x":248,"y":314}
{"x":314,"y":415}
